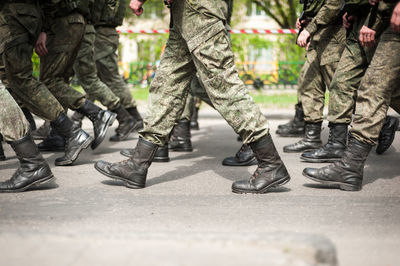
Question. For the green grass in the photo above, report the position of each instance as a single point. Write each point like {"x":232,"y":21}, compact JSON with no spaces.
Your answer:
{"x":278,"y":100}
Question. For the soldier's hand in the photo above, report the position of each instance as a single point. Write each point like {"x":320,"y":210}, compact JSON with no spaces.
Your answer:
{"x":367,"y":36}
{"x":395,"y":20}
{"x":298,"y":24}
{"x":40,"y":47}
{"x":136,"y":7}
{"x":302,"y":40}
{"x":347,"y":21}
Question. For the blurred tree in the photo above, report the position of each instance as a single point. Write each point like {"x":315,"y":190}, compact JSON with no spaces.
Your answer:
{"x":283,"y":12}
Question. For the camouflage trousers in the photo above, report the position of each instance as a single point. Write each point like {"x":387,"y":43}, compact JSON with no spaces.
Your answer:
{"x":199,"y":42}
{"x":351,"y":68}
{"x":86,"y":72}
{"x":322,"y":59}
{"x":105,"y":47}
{"x":300,"y":81}
{"x":379,"y":88}
{"x":13,"y":124}
{"x":56,"y":67}
{"x":196,"y":91}
{"x":20,"y":25}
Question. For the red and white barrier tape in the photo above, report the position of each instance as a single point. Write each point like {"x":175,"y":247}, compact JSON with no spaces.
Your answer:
{"x":241,"y":31}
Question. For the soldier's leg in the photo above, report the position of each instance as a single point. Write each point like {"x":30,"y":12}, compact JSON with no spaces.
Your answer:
{"x":16,"y":131}
{"x":295,"y":127}
{"x":86,"y":71}
{"x":56,"y":70}
{"x":378,"y":85}
{"x":312,"y":98}
{"x":106,"y":46}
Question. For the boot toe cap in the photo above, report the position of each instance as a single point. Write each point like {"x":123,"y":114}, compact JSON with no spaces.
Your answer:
{"x":310,"y":172}
{"x":242,"y":186}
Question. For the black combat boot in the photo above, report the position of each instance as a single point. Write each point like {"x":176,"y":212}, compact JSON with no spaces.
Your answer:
{"x":127,"y":124}
{"x":33,"y":169}
{"x":194,"y":123}
{"x":295,"y":127}
{"x":271,"y":172}
{"x":42,"y":132}
{"x":101,"y":120}
{"x":134,"y":170}
{"x":133,"y":111}
{"x":347,"y":173}
{"x":331,"y":151}
{"x":76,"y":139}
{"x":180,"y":137}
{"x":29,"y":117}
{"x":54,"y":142}
{"x":386,"y":136}
{"x":311,"y":140}
{"x":2,"y":156}
{"x":77,"y":118}
{"x":244,"y":157}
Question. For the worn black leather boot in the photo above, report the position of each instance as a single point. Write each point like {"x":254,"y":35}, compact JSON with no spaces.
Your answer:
{"x":161,"y":156}
{"x":127,"y":124}
{"x":101,"y":120}
{"x":386,"y":136}
{"x":133,"y":111}
{"x":180,"y":137}
{"x":346,"y":174}
{"x":33,"y":169}
{"x":54,"y":142}
{"x":134,"y":170}
{"x":42,"y":132}
{"x":2,"y":156}
{"x":311,"y":140}
{"x":271,"y":172}
{"x":77,"y":118}
{"x":244,"y":157}
{"x":333,"y":150}
{"x":194,"y":123}
{"x":295,"y":127}
{"x":76,"y":139}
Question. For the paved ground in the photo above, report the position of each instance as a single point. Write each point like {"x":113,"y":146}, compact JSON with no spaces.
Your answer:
{"x":187,"y":215}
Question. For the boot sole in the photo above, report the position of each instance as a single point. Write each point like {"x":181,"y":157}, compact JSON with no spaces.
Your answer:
{"x":311,"y":160}
{"x":161,"y":160}
{"x":301,"y":150}
{"x":128,"y":183}
{"x":340,"y":185}
{"x":181,"y":149}
{"x":84,"y":145}
{"x":249,"y":163}
{"x":101,"y":137}
{"x":36,"y":183}
{"x":290,"y":135}
{"x":275,"y":184}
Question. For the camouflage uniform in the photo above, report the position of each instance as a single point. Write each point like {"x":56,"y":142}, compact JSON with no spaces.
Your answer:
{"x":64,"y":35}
{"x":199,"y":42}
{"x":86,"y":72}
{"x":106,"y":46}
{"x":352,"y":66}
{"x":13,"y":124}
{"x":327,"y":43}
{"x":379,"y":88}
{"x":20,"y":24}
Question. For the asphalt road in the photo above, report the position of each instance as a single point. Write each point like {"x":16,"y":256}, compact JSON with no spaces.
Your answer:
{"x":188,"y":215}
